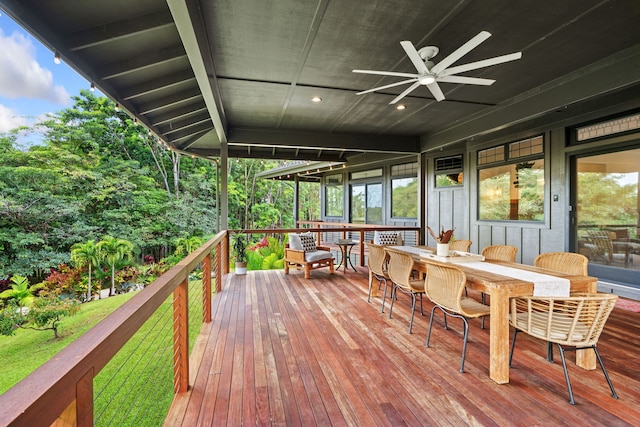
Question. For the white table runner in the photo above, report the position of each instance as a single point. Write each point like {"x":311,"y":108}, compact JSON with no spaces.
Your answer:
{"x":413,"y":250}
{"x":543,"y":284}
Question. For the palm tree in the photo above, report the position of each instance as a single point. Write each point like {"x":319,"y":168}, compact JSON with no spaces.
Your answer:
{"x":86,"y":254}
{"x":186,"y":245}
{"x":21,"y":291}
{"x":114,"y":250}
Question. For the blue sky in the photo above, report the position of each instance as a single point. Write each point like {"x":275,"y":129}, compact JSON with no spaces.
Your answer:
{"x":31,"y":84}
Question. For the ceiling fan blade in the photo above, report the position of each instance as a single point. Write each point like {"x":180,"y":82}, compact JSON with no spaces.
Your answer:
{"x":388,"y":86}
{"x":466,"y":80}
{"x":481,"y":64}
{"x":436,"y":91}
{"x":386,"y":73}
{"x":414,"y":56}
{"x":405,"y":93}
{"x":461,"y":51}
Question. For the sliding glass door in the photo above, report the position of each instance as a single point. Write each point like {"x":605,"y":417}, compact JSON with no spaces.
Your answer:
{"x":606,"y":225}
{"x":366,"y":203}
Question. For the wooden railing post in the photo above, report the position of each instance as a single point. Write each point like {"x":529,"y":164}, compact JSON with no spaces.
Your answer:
{"x":181,"y":337}
{"x":218,"y":267}
{"x":206,"y":289}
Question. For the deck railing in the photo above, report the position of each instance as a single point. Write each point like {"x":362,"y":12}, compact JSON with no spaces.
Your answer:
{"x":61,"y":391}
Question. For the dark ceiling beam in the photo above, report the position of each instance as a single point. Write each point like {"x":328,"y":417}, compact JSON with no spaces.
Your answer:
{"x":188,"y":142}
{"x":176,"y":137}
{"x":257,"y":153}
{"x":178,"y":125}
{"x":142,"y":62}
{"x":324,"y":141}
{"x":613,"y":73}
{"x":188,"y":110}
{"x":113,"y":31}
{"x":193,"y":33}
{"x":151,"y":86}
{"x":169,"y":102}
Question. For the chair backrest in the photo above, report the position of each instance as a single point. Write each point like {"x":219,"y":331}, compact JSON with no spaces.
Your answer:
{"x":400,"y":267}
{"x":573,"y":321}
{"x":566,"y":262}
{"x":387,"y":238}
{"x":500,"y":253}
{"x":601,"y":239}
{"x":377,"y":259}
{"x":444,"y":285}
{"x":460,"y":245}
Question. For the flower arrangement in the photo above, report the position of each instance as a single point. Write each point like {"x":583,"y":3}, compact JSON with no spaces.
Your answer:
{"x":443,"y":237}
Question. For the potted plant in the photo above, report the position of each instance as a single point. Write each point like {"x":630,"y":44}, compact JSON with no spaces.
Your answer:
{"x":240,"y":249}
{"x":442,"y":241}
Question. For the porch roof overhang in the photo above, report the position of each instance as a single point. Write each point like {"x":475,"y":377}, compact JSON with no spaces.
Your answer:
{"x":232,"y":75}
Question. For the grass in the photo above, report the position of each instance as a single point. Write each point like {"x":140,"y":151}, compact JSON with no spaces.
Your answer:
{"x":23,"y":352}
{"x":136,"y":387}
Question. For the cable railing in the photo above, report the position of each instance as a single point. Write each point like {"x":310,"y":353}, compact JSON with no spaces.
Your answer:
{"x":126,"y":369}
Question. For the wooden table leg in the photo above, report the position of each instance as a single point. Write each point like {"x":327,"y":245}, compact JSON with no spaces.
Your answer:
{"x":373,"y":289}
{"x":499,"y":336}
{"x":586,"y":359}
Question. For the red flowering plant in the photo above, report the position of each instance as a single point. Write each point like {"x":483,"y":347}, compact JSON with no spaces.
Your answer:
{"x":443,"y":237}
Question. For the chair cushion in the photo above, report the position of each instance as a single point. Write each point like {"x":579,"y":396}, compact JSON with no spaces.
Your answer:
{"x":295,"y":242}
{"x":385,"y":238}
{"x":317,"y":255}
{"x":308,"y":242}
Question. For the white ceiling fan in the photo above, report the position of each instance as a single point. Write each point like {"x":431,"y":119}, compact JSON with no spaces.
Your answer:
{"x":429,"y":74}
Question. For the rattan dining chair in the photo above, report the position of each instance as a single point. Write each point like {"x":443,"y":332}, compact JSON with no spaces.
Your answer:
{"x":460,"y":245}
{"x":444,"y":286}
{"x":575,"y":322}
{"x":505,"y":253}
{"x":400,"y":270}
{"x":377,"y":262}
{"x":500,"y":253}
{"x":566,"y":262}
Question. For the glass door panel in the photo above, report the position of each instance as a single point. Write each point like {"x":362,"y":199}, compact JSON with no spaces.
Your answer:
{"x":374,"y":204}
{"x":366,"y":203}
{"x":607,"y":214}
{"x":358,"y":206}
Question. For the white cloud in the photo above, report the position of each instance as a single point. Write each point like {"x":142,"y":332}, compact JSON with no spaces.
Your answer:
{"x":22,"y":77}
{"x":9,"y":119}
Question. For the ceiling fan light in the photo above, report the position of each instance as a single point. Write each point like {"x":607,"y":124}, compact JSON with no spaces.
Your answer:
{"x":427,"y":79}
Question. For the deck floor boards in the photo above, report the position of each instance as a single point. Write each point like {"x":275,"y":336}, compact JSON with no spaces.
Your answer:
{"x":287,"y":351}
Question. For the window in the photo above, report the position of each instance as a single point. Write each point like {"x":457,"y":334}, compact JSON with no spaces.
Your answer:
{"x":512,"y":188}
{"x":334,"y":197}
{"x":449,"y":171}
{"x":404,"y":190}
{"x":372,"y":173}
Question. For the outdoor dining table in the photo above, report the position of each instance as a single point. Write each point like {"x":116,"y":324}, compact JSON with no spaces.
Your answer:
{"x":501,"y":288}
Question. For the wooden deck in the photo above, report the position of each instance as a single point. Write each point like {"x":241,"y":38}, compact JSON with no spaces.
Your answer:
{"x":282,"y":350}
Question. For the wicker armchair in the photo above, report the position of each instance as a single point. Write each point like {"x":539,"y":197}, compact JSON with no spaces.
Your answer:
{"x":566,"y":262}
{"x":575,"y":322}
{"x":377,"y":262}
{"x":460,"y":245}
{"x":500,"y":253}
{"x":444,"y":286}
{"x":399,"y":269}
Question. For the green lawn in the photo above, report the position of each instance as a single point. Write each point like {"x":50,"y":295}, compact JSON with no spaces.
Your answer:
{"x":136,"y":386}
{"x":27,"y":349}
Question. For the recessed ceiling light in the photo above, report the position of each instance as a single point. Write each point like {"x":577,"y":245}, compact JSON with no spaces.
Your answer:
{"x":316,"y":99}
{"x":400,"y":107}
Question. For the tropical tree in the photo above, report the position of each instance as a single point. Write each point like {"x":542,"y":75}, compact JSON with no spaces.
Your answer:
{"x":114,"y":250}
{"x":86,"y":254}
{"x":20,"y":291}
